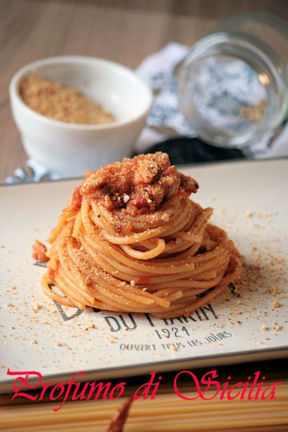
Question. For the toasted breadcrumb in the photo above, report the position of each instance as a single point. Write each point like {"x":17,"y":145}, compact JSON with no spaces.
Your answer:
{"x":61,"y":103}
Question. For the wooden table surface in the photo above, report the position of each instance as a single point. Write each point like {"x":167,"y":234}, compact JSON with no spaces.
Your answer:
{"x":124,"y":31}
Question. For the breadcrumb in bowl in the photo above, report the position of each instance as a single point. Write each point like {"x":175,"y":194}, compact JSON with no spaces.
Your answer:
{"x":68,"y":148}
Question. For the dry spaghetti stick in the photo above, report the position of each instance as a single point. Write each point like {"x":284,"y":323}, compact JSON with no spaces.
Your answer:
{"x":148,"y":414}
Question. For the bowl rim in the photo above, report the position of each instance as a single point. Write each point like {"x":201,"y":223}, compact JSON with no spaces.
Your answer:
{"x":24,"y":70}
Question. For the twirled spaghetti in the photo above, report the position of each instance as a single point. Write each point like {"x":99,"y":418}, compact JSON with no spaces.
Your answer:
{"x":131,"y":240}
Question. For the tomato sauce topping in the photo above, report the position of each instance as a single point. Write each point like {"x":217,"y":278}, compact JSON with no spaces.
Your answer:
{"x":39,"y":252}
{"x":138,"y":185}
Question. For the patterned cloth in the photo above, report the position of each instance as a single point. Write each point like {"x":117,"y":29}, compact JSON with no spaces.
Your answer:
{"x":159,"y":71}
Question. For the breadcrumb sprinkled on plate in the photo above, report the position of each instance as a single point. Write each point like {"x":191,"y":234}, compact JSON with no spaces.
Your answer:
{"x":276,"y":304}
{"x":90,"y":326}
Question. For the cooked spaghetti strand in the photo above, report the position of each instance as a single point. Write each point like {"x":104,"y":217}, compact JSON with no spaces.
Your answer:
{"x":131,"y":240}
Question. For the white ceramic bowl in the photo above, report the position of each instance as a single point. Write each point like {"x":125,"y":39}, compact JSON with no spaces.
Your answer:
{"x":71,"y":149}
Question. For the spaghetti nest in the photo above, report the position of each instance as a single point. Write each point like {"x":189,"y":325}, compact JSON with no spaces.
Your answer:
{"x":131,"y":240}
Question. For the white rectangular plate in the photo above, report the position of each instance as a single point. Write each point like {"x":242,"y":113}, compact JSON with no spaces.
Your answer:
{"x":250,"y":202}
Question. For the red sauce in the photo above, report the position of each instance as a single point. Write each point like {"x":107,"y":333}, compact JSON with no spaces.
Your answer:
{"x":138,"y":185}
{"x":39,"y":252}
{"x":143,"y":280}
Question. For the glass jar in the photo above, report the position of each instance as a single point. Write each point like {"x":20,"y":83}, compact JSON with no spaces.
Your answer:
{"x":233,"y":84}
